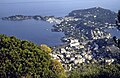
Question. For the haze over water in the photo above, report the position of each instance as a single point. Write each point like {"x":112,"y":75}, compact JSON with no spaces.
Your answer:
{"x":52,"y":7}
{"x":39,"y":31}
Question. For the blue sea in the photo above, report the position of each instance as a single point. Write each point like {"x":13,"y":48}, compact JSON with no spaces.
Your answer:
{"x":40,"y":32}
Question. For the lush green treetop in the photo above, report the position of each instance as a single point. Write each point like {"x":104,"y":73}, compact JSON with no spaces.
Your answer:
{"x":45,"y":48}
{"x":20,"y":58}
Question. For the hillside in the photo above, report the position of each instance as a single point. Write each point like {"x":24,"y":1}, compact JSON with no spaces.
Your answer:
{"x":20,"y":58}
{"x":96,"y":14}
{"x":88,"y":50}
{"x":86,"y":39}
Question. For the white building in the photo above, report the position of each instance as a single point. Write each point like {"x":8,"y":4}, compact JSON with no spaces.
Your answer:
{"x":74,"y":43}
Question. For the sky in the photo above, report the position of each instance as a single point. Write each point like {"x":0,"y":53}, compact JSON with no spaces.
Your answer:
{"x":63,"y":4}
{"x":111,"y":3}
{"x":11,"y":1}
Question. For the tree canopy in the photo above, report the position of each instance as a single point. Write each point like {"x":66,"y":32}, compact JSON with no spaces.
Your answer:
{"x":20,"y":58}
{"x":45,"y":48}
{"x":118,"y":16}
{"x":97,"y":71}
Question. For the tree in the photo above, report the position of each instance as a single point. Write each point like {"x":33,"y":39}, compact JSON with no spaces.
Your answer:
{"x":118,"y":16}
{"x":115,"y":39}
{"x":118,"y":19}
{"x":57,"y":67}
{"x":74,"y":74}
{"x":97,"y":71}
{"x":19,"y":58}
{"x":119,"y":43}
{"x":45,"y":48}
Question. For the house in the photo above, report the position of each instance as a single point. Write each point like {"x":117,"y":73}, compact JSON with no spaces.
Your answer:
{"x":62,"y":50}
{"x":74,"y":43}
{"x":109,"y":61}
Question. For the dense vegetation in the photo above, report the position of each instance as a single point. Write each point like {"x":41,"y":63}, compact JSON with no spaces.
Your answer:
{"x":20,"y":58}
{"x":23,"y":59}
{"x":102,"y":15}
{"x":96,"y":71}
{"x":118,"y":16}
{"x":99,"y":71}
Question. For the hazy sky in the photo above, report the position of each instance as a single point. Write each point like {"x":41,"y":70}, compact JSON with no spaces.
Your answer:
{"x":11,"y":6}
{"x":11,"y":1}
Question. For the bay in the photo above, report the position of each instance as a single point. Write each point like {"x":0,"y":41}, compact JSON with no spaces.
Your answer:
{"x":40,"y":31}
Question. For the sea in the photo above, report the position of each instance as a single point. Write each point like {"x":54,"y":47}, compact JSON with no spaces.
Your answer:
{"x":40,"y":32}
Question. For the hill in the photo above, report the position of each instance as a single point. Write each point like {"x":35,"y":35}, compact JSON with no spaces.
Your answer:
{"x":96,"y":14}
{"x":20,"y":58}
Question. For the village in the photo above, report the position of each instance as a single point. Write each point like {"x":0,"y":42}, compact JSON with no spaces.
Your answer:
{"x":75,"y":53}
{"x":85,"y":40}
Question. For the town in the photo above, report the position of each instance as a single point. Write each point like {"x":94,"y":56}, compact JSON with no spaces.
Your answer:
{"x":85,"y":40}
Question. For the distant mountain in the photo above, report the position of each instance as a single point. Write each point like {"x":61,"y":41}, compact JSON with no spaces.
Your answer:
{"x":96,"y":14}
{"x":87,"y":23}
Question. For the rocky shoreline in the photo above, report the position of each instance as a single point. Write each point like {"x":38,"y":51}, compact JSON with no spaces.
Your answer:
{"x":50,"y":19}
{"x":85,"y":38}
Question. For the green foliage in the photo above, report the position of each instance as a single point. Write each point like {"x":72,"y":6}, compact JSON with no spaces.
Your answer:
{"x":97,"y":71}
{"x":58,"y":69}
{"x":45,"y":48}
{"x":74,"y":74}
{"x":23,"y":59}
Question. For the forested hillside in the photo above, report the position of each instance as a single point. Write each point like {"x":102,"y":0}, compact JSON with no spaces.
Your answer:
{"x":24,"y":59}
{"x":21,"y":59}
